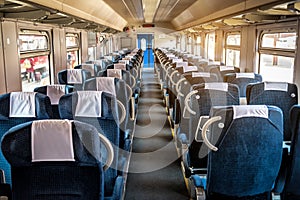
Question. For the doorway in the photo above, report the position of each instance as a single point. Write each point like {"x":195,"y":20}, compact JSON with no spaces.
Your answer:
{"x":145,"y":42}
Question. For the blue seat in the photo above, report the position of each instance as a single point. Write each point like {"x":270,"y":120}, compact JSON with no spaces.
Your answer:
{"x":122,"y":92}
{"x":54,"y":92}
{"x":73,"y":77}
{"x":41,"y":110}
{"x":283,"y":95}
{"x":103,"y":115}
{"x":183,"y":87}
{"x":130,"y":80}
{"x":242,"y":80}
{"x":291,"y":183}
{"x":198,"y":103}
{"x":57,"y":159}
{"x":243,"y":160}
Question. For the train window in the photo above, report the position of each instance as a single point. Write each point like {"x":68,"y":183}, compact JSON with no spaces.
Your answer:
{"x":34,"y":59}
{"x":72,"y":44}
{"x":210,"y":46}
{"x":232,"y":49}
{"x":189,"y":44}
{"x":92,"y":43}
{"x":197,"y":48}
{"x":276,"y":55}
{"x":279,"y":40}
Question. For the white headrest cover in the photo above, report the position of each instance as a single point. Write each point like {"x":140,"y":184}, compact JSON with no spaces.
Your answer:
{"x":217,"y":86}
{"x":169,"y":55}
{"x":225,"y":68}
{"x":177,"y":60}
{"x":106,"y":84}
{"x":89,"y":67}
{"x":51,"y":140}
{"x":117,"y":73}
{"x":181,"y":64}
{"x":89,"y":104}
{"x":276,"y":86}
{"x":245,"y":75}
{"x":124,"y":61}
{"x":54,"y":92}
{"x":201,"y":74}
{"x":74,"y":76}
{"x":190,"y":69}
{"x":120,"y":66}
{"x":22,"y":104}
{"x":250,"y":111}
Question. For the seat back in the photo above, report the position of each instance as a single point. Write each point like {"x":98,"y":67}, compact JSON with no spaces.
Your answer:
{"x":245,"y":159}
{"x":41,"y":108}
{"x":74,"y":77}
{"x":120,"y":92}
{"x":283,"y":95}
{"x":54,"y":92}
{"x":49,"y":161}
{"x":292,"y":183}
{"x":242,"y":80}
{"x":202,"y":98}
{"x":105,"y":121}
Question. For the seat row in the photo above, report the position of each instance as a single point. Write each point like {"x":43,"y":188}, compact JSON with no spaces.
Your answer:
{"x":206,"y":111}
{"x":69,"y":141}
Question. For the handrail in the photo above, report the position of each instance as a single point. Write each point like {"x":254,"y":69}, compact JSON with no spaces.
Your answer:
{"x":204,"y":130}
{"x":123,"y":115}
{"x":186,"y":101}
{"x":177,"y":86}
{"x":110,"y":151}
{"x":171,"y":77}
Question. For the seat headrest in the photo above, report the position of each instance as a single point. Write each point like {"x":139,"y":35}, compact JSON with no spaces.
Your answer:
{"x":200,"y":74}
{"x":22,"y":104}
{"x":74,"y":76}
{"x":245,"y":75}
{"x":189,"y":69}
{"x":216,"y":86}
{"x":89,"y":104}
{"x":226,"y":68}
{"x":89,"y":67}
{"x":250,"y":111}
{"x":106,"y":84}
{"x":54,"y":92}
{"x":175,"y":60}
{"x":51,"y":140}
{"x":117,"y":73}
{"x":279,"y":86}
{"x":120,"y":66}
{"x":181,"y":64}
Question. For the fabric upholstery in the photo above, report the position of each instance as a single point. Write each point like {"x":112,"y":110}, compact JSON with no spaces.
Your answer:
{"x":256,"y":94}
{"x":202,"y":106}
{"x":80,"y":180}
{"x":106,"y":124}
{"x":292,"y":184}
{"x":43,"y":111}
{"x":242,"y":82}
{"x":248,"y":157}
{"x":43,"y":90}
{"x":62,"y":78}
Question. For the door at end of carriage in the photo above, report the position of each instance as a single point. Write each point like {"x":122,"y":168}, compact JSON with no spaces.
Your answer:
{"x":145,"y":42}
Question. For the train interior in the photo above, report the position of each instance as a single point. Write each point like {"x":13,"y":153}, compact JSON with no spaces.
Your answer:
{"x":149,"y":99}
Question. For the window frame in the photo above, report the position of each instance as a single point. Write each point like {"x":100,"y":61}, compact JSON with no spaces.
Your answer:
{"x":232,"y":46}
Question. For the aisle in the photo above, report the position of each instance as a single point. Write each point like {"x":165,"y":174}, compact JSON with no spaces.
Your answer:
{"x":154,"y":171}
